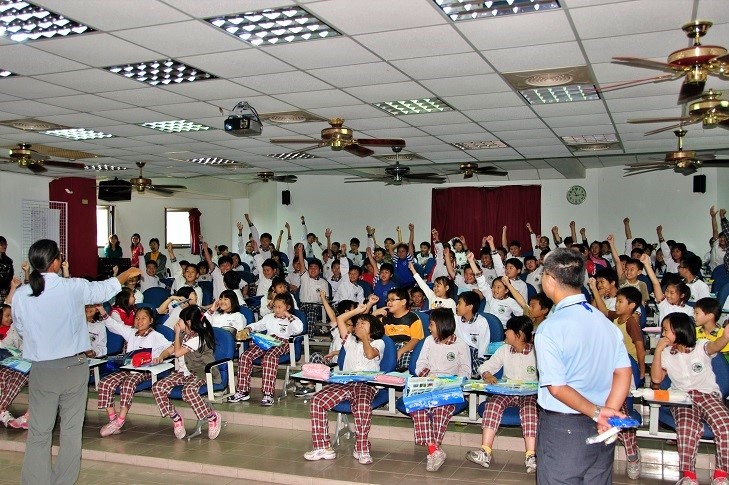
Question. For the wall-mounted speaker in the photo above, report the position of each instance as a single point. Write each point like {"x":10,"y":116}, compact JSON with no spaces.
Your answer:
{"x":286,"y":197}
{"x":115,"y":190}
{"x":700,"y":184}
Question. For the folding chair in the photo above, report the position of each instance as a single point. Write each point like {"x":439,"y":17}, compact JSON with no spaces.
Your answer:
{"x":156,"y":296}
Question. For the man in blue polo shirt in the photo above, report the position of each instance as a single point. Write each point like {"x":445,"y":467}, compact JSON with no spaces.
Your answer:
{"x":584,"y":377}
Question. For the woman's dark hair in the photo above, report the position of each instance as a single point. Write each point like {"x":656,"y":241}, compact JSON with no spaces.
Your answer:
{"x":114,"y":246}
{"x":200,"y":325}
{"x":402,"y":294}
{"x":278,"y":280}
{"x":445,"y":322}
{"x":41,"y":255}
{"x":345,"y":306}
{"x":448,"y":283}
{"x":521,"y":324}
{"x":122,"y":299}
{"x":185,"y":291}
{"x":286,"y":298}
{"x":149,"y":311}
{"x":136,"y":234}
{"x":234,"y":303}
{"x":683,"y":328}
{"x":377,"y":328}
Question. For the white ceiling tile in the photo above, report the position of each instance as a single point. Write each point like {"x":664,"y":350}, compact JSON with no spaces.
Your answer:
{"x":116,"y":14}
{"x":97,"y":49}
{"x":335,"y":51}
{"x":354,"y":18}
{"x":284,"y":82}
{"x":535,"y":57}
{"x":183,"y":38}
{"x":452,"y":129}
{"x":579,"y":120}
{"x":359,"y":75}
{"x":584,"y":130}
{"x":714,"y":10}
{"x":630,"y":18}
{"x":30,"y":88}
{"x":86,"y":102}
{"x":544,"y":27}
{"x":146,"y":97}
{"x":350,"y":112}
{"x":535,"y":142}
{"x":650,"y":45}
{"x":500,"y":114}
{"x":439,"y":66}
{"x":134,"y":115}
{"x":394,"y":133}
{"x":390,"y":92}
{"x":196,"y":8}
{"x":458,"y":86}
{"x":238,"y":63}
{"x":507,"y":125}
{"x":421,"y":42}
{"x":545,"y":151}
{"x":515,"y":135}
{"x":212,"y":89}
{"x":376,"y":123}
{"x":646,"y":103}
{"x":27,"y":61}
{"x":551,"y":110}
{"x":484,"y":101}
{"x":32,"y":108}
{"x":319,"y":99}
{"x":188,"y":111}
{"x":79,"y":120}
{"x":88,"y":80}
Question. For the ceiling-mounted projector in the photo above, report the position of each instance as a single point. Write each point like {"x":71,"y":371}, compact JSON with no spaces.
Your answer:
{"x":243,"y":125}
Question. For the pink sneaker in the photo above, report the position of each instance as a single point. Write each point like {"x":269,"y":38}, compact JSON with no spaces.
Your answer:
{"x":21,"y":422}
{"x":112,"y":427}
{"x":179,"y":428}
{"x":214,"y":426}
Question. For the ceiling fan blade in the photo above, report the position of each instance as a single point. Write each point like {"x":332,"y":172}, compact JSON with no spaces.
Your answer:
{"x":168,"y":187}
{"x":723,"y":124}
{"x":706,"y":157}
{"x":289,"y":179}
{"x":420,"y":175}
{"x":425,"y":180}
{"x":690,"y":91}
{"x":158,"y":190}
{"x":715,"y":163}
{"x":721,"y":60}
{"x":646,"y":63}
{"x":358,"y":150}
{"x":641,"y":166}
{"x":491,"y":171}
{"x":665,"y":128}
{"x":382,"y":142}
{"x":678,"y":119}
{"x":284,"y":141}
{"x":636,"y":82}
{"x":36,"y":167}
{"x":645,"y":171}
{"x":365,"y":179}
{"x":71,"y":165}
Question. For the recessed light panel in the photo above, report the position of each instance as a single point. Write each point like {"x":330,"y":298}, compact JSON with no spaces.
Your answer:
{"x":561,"y":94}
{"x":481,"y":145}
{"x":104,"y":168}
{"x":414,"y":106}
{"x":589,"y":139}
{"x":213,"y":161}
{"x":469,"y":9}
{"x":175,"y":126}
{"x":77,"y":134}
{"x":291,"y":155}
{"x":20,"y":21}
{"x":6,"y":73}
{"x":274,"y":26}
{"x":162,"y":72}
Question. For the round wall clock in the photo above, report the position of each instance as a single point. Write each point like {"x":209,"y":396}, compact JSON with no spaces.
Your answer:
{"x":576,"y":194}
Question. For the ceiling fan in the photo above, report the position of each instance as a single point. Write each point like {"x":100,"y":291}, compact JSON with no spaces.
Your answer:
{"x":28,"y":158}
{"x":685,"y":162}
{"x":266,"y":176}
{"x":711,"y":111}
{"x":469,"y":169}
{"x":695,"y":63}
{"x":142,"y":184}
{"x":398,"y":174}
{"x":339,"y":137}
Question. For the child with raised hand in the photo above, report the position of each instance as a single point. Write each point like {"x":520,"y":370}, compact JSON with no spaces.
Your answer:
{"x":364,"y":349}
{"x":538,"y":307}
{"x":464,"y":281}
{"x":673,"y":299}
{"x":348,"y":289}
{"x":498,"y":298}
{"x":511,"y":268}
{"x":687,"y":361}
{"x":707,"y":312}
{"x":225,"y":313}
{"x":383,"y":282}
{"x":518,"y":361}
{"x":173,"y":305}
{"x":281,"y":324}
{"x":442,"y":354}
{"x":690,"y":270}
{"x":628,"y":271}
{"x":472,"y":328}
{"x":142,"y":336}
{"x":439,"y":269}
{"x":440,"y":295}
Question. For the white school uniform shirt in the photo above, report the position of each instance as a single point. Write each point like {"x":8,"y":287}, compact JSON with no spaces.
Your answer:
{"x":535,"y":279}
{"x":310,"y":287}
{"x":462,"y":286}
{"x":193,"y":345}
{"x":346,"y":290}
{"x":699,"y":289}
{"x":488,"y":273}
{"x":153,"y":340}
{"x":145,"y":281}
{"x":355,"y":359}
{"x":716,"y":256}
{"x":280,"y":327}
{"x":12,"y":340}
{"x":234,"y":319}
{"x":665,"y":308}
{"x":97,"y":335}
{"x":520,"y":286}
{"x":327,"y":269}
{"x":434,"y":301}
{"x":671,"y":265}
{"x":517,"y":365}
{"x":503,"y":309}
{"x":264,"y":310}
{"x":444,"y":360}
{"x":423,"y":260}
{"x":439,"y":269}
{"x":476,"y":333}
{"x":691,"y":370}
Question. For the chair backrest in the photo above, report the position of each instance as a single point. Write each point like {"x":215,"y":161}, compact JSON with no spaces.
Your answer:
{"x":114,"y":343}
{"x":482,"y":306}
{"x":587,"y":293}
{"x":302,"y":316}
{"x":284,"y":259}
{"x":721,"y":369}
{"x":425,"y":319}
{"x":247,"y":276}
{"x":161,"y":319}
{"x":645,"y":279}
{"x":531,"y":292}
{"x":248,"y":314}
{"x":245,"y":266}
{"x":414,"y":357}
{"x":720,"y":277}
{"x":224,"y":349}
{"x":207,"y":290}
{"x":366,"y":288}
{"x":495,"y":327}
{"x":722,"y":296}
{"x":155,"y":296}
{"x":388,"y":360}
{"x":168,"y":333}
{"x":636,"y":371}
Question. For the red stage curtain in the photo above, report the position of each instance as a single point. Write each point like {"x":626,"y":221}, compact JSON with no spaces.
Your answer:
{"x":194,"y":217}
{"x":475,"y":212}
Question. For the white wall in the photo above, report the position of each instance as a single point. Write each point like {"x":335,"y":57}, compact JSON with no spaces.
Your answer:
{"x":13,"y":189}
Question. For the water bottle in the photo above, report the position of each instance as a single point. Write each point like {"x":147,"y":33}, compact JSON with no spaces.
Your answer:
{"x":177,"y":303}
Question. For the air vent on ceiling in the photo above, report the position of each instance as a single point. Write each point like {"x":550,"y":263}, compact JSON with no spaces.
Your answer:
{"x":289,"y":117}
{"x":403,"y":157}
{"x":549,"y":77}
{"x":31,"y":124}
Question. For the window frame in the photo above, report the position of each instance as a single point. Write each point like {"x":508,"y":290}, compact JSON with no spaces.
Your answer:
{"x":110,"y":223}
{"x":177,"y":209}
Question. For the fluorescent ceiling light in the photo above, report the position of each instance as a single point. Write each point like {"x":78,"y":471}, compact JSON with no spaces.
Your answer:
{"x":291,"y":155}
{"x":274,"y":26}
{"x":469,"y":9}
{"x":20,"y":21}
{"x":414,"y":106}
{"x":6,"y":73}
{"x":77,"y":134}
{"x":175,"y":126}
{"x":561,"y":94}
{"x":104,"y":168}
{"x":161,"y":72}
{"x":213,"y":161}
{"x":480,"y":145}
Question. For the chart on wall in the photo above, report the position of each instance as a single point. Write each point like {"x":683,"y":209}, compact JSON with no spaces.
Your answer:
{"x":45,"y":220}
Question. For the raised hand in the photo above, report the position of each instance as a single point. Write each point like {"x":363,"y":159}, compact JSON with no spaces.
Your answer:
{"x":411,"y":227}
{"x":343,"y":248}
{"x":712,"y":211}
{"x":14,"y":283}
{"x":373,"y":299}
{"x":369,"y":252}
{"x":303,"y":220}
{"x":645,"y":259}
{"x":722,"y":213}
{"x":25,"y":266}
{"x":610,"y":238}
{"x":555,"y":229}
{"x":572,"y":224}
{"x":411,"y":267}
{"x":327,"y":232}
{"x":490,"y":240}
{"x":239,"y":225}
{"x":626,"y":220}
{"x":287,"y":226}
{"x":659,"y":230}
{"x":582,"y":232}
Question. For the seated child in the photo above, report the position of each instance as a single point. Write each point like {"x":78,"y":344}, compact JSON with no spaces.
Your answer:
{"x":417,"y":299}
{"x":690,"y":270}
{"x":401,"y":325}
{"x":498,"y":297}
{"x":364,"y":349}
{"x":97,"y":332}
{"x":233,"y":282}
{"x":440,"y":295}
{"x":173,"y":305}
{"x":472,"y":328}
{"x":194,"y":348}
{"x":123,"y":308}
{"x":281,"y":324}
{"x":6,"y":321}
{"x":518,"y":361}
{"x":142,"y":336}
{"x":707,"y":313}
{"x":11,"y":381}
{"x":674,"y":298}
{"x":225,"y":313}
{"x":442,"y":354}
{"x":278,"y":287}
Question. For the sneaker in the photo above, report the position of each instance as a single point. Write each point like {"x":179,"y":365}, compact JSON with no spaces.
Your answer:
{"x":20,"y":422}
{"x":687,"y":481}
{"x":239,"y":396}
{"x":112,"y":427}
{"x":267,"y":400}
{"x":6,"y":417}
{"x":179,"y":428}
{"x":320,"y":454}
{"x":214,"y":426}
{"x":363,"y":458}
{"x":633,"y":468}
{"x":720,"y":481}
{"x":303,"y":391}
{"x":479,"y":456}
{"x":530,"y":462}
{"x":435,"y":460}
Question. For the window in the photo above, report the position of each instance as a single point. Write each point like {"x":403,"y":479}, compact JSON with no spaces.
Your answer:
{"x":177,"y":227}
{"x":104,"y":224}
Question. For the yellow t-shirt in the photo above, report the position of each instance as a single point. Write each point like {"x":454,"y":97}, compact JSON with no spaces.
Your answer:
{"x":713,"y":335}
{"x":408,"y":325}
